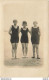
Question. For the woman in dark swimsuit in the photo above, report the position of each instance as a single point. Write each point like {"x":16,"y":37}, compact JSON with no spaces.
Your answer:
{"x":14,"y":32}
{"x":24,"y":38}
{"x":35,"y":38}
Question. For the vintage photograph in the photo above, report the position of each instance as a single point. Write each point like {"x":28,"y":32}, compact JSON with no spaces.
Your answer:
{"x":23,"y":34}
{"x":24,"y":38}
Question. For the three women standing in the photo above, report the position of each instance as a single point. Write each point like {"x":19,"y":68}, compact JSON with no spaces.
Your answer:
{"x":35,"y":37}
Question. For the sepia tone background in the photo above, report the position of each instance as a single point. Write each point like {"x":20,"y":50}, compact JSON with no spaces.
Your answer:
{"x":29,"y":11}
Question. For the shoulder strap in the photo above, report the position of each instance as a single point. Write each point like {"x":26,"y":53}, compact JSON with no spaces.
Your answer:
{"x":18,"y":26}
{"x":11,"y":27}
{"x":32,"y":27}
{"x":38,"y":28}
{"x":27,"y":29}
{"x":21,"y":29}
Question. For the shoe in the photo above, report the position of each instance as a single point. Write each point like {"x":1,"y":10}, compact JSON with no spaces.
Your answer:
{"x":15,"y":57}
{"x":38,"y":58}
{"x":23,"y":57}
{"x":33,"y":57}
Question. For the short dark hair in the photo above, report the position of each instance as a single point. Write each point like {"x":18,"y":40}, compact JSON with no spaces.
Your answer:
{"x":15,"y":20}
{"x":24,"y":22}
{"x":35,"y":22}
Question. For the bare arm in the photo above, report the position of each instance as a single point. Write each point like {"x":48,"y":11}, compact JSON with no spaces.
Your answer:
{"x":29,"y":31}
{"x":19,"y":30}
{"x":10,"y":31}
{"x":39,"y":33}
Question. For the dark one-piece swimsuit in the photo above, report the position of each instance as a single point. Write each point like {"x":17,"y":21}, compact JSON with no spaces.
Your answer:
{"x":14,"y":35}
{"x":35,"y":36}
{"x":24,"y":36}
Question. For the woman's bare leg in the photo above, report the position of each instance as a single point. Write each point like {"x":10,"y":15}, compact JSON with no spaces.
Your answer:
{"x":33,"y":51}
{"x":37,"y":51}
{"x":26,"y":48}
{"x":23,"y":48}
{"x":16,"y":44}
{"x":13,"y":49}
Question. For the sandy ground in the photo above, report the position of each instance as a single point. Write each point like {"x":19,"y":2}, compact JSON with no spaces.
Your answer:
{"x":23,"y":62}
{"x":8,"y":61}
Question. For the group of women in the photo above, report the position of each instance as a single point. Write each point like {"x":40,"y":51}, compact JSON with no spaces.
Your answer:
{"x":35,"y":38}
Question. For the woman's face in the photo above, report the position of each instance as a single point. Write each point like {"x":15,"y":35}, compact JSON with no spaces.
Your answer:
{"x":15,"y":23}
{"x":35,"y":24}
{"x":24,"y":25}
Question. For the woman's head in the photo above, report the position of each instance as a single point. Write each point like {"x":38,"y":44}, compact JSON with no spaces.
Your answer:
{"x":15,"y":22}
{"x":35,"y":23}
{"x":24,"y":23}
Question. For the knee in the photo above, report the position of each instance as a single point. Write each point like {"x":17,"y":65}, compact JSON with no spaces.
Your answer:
{"x":13,"y":47}
{"x":37,"y":47}
{"x":26,"y":47}
{"x":23,"y":47}
{"x":33,"y":50}
{"x":33,"y":47}
{"x":16,"y":47}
